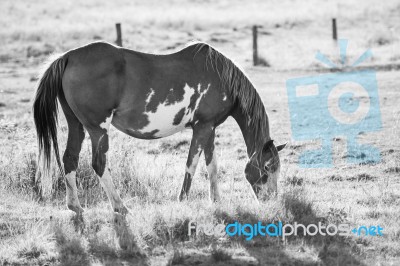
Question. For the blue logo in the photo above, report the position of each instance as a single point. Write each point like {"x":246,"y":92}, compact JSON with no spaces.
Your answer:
{"x":368,"y":231}
{"x":249,"y":231}
{"x":336,"y":104}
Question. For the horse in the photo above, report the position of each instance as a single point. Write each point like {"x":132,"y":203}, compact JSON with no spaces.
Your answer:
{"x":150,"y":96}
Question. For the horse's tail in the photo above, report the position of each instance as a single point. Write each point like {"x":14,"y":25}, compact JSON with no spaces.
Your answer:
{"x":45,"y":110}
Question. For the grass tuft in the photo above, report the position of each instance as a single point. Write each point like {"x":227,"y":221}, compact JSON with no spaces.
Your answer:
{"x":219,"y":254}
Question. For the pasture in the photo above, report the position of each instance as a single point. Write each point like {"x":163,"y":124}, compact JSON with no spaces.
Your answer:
{"x":149,"y":174}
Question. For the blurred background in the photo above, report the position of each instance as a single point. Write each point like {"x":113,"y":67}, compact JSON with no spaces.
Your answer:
{"x":292,"y":31}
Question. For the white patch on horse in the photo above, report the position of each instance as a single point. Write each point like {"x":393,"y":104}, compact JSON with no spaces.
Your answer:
{"x":191,"y":169}
{"x":212,"y":169}
{"x":162,"y":119}
{"x":151,"y":94}
{"x":112,"y":194}
{"x":70,"y":177}
{"x":72,"y":191}
{"x":106,"y":124}
{"x":225,"y":97}
{"x":272,"y":182}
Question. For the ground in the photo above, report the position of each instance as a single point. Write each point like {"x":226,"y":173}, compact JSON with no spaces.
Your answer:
{"x":148,"y":174}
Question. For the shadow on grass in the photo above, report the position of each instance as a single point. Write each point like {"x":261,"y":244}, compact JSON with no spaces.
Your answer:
{"x":325,"y":250}
{"x":70,"y":248}
{"x":84,"y":244}
{"x":218,"y":257}
{"x":121,"y":249}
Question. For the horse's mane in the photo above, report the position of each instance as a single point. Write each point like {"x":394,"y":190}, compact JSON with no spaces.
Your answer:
{"x":241,"y":90}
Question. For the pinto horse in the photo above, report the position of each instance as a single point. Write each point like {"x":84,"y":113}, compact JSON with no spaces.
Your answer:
{"x":150,"y":96}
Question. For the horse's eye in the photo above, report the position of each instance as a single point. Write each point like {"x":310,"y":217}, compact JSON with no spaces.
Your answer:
{"x":266,"y":168}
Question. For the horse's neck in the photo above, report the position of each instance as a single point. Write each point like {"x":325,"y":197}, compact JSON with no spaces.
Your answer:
{"x":249,"y":133}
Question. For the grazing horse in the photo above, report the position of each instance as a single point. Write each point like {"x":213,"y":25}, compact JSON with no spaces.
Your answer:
{"x":150,"y":96}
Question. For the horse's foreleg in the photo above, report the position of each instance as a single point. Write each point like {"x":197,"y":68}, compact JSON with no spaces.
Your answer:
{"x":100,"y":147}
{"x":212,"y":168}
{"x":191,"y":165}
{"x":76,"y":136}
{"x":201,"y":134}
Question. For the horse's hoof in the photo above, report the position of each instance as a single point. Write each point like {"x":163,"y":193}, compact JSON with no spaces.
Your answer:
{"x":215,"y":201}
{"x":122,"y":210}
{"x":76,"y":208}
{"x":183,"y":197}
{"x":215,"y":198}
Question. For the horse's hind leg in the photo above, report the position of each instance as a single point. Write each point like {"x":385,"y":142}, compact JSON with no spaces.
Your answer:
{"x":212,"y":168}
{"x":76,"y":135}
{"x":100,"y":145}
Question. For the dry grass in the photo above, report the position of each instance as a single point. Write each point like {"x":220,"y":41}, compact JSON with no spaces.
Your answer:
{"x":148,"y":174}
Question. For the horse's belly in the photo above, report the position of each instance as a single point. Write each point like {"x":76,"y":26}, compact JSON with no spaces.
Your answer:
{"x":163,"y":124}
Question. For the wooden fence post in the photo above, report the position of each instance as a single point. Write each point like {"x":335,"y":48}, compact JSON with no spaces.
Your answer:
{"x":255,"y":50}
{"x":334,"y":30}
{"x":119,"y":34}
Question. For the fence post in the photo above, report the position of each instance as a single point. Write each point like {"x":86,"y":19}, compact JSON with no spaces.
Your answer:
{"x":119,"y":34}
{"x":255,"y":50}
{"x":334,"y":30}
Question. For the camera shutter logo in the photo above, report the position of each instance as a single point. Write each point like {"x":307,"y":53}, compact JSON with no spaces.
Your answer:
{"x":325,"y":106}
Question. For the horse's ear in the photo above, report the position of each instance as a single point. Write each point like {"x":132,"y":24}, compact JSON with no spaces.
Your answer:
{"x":267,"y":145}
{"x":280,"y":147}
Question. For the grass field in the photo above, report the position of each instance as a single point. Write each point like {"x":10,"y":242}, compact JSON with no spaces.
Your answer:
{"x":148,"y":174}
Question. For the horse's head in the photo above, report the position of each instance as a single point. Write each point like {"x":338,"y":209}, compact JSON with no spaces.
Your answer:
{"x":264,"y":167}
